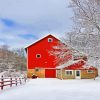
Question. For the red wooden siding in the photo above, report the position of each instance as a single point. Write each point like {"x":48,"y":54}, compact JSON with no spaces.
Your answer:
{"x":42,"y":47}
{"x":50,"y":73}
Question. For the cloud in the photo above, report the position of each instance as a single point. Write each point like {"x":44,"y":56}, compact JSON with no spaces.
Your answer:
{"x":27,"y":20}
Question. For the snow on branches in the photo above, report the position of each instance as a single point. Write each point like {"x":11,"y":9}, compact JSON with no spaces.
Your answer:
{"x":61,"y":52}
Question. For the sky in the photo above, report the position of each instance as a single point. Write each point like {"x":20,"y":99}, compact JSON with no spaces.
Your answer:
{"x":23,"y":22}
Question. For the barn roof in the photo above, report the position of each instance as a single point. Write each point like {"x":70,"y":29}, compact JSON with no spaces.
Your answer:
{"x":40,"y":40}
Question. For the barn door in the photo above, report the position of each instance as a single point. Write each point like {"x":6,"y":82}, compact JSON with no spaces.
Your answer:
{"x":77,"y":74}
{"x":50,"y":73}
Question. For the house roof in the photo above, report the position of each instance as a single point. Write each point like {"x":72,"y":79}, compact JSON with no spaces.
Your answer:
{"x":78,"y":64}
{"x":88,"y":67}
{"x":69,"y":63}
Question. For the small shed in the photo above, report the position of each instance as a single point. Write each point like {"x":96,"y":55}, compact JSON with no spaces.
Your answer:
{"x":76,"y":70}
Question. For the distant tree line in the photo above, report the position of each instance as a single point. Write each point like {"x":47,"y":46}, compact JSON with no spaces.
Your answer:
{"x":12,"y":59}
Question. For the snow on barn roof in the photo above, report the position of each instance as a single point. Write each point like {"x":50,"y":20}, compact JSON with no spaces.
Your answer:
{"x":70,"y":62}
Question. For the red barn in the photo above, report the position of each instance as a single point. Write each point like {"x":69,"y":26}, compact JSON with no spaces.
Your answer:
{"x":39,"y":60}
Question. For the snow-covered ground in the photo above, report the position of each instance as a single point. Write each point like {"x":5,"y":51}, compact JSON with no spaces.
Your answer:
{"x":54,"y":89}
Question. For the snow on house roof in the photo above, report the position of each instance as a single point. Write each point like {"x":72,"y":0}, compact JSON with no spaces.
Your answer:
{"x":70,"y":62}
{"x":86,"y":66}
{"x":78,"y":64}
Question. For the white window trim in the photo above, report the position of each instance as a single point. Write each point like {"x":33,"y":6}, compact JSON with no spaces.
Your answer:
{"x":89,"y":72}
{"x":51,"y":40}
{"x":68,"y":74}
{"x":38,"y":54}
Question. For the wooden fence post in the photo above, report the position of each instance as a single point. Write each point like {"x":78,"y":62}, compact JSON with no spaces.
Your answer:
{"x":10,"y":82}
{"x":2,"y":82}
{"x":20,"y":80}
{"x":16,"y":81}
{"x":25,"y":79}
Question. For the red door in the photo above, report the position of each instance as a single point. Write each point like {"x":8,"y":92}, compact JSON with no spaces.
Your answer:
{"x":50,"y":73}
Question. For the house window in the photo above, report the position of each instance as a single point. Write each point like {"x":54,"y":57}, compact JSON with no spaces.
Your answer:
{"x":69,"y":72}
{"x":50,"y":40}
{"x":89,"y":71}
{"x":38,"y":55}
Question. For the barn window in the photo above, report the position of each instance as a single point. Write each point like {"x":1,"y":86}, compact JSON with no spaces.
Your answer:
{"x":90,"y":71}
{"x":38,"y":55}
{"x":69,"y":72}
{"x":36,"y":69}
{"x":50,"y":40}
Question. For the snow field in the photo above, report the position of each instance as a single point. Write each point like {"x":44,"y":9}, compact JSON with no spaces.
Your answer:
{"x":54,"y":89}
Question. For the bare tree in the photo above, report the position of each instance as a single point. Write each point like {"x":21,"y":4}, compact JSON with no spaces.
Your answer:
{"x":62,"y":53}
{"x":20,"y":58}
{"x":85,"y":36}
{"x":84,"y":40}
{"x":86,"y":15}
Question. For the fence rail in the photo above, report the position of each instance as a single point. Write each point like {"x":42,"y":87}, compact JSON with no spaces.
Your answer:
{"x":10,"y":81}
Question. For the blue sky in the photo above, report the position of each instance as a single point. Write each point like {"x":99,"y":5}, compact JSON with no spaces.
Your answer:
{"x":25,"y":21}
